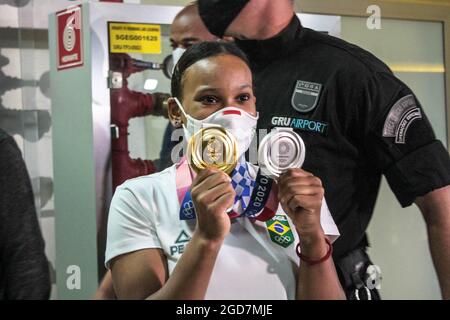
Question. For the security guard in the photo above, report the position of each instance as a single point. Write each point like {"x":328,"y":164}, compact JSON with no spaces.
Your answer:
{"x":358,"y":122}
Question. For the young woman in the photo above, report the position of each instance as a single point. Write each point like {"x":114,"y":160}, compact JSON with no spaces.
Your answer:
{"x":156,"y":251}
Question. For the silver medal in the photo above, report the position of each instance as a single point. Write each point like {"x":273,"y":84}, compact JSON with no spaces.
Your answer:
{"x":280,"y":150}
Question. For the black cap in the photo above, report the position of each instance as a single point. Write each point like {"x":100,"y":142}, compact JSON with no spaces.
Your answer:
{"x":217,"y":15}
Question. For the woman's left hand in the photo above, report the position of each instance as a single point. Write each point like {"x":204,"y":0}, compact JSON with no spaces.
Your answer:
{"x":301,"y":194}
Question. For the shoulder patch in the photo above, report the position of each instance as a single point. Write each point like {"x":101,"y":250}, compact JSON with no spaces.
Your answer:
{"x":305,"y":96}
{"x":404,"y":112}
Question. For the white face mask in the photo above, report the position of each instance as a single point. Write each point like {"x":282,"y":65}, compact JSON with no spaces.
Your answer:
{"x":176,"y":55}
{"x":240,"y":123}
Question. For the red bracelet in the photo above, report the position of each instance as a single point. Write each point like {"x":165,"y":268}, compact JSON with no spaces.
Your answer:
{"x":313,"y":262}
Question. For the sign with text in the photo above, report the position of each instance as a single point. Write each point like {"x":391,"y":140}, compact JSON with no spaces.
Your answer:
{"x":70,"y":38}
{"x":134,"y":38}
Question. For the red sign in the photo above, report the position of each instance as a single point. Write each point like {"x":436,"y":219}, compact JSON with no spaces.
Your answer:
{"x":70,"y":40}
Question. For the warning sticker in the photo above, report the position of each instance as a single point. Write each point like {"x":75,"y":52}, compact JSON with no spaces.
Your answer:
{"x":134,"y":37}
{"x":70,"y":38}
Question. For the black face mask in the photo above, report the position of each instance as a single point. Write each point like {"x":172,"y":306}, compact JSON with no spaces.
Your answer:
{"x":217,"y":15}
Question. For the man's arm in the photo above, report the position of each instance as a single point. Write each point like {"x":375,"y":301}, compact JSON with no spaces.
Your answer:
{"x":435,"y":208}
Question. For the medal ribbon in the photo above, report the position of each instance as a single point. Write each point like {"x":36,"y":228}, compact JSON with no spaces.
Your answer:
{"x":262,"y":206}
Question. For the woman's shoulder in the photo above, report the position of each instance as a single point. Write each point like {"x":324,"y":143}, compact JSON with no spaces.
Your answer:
{"x":143,"y":197}
{"x":156,"y":181}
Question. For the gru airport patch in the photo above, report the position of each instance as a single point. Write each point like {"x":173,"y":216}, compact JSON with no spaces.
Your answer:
{"x":402,"y":114}
{"x":305,"y":96}
{"x":301,"y":124}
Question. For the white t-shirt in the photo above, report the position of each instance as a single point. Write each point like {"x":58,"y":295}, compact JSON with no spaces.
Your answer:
{"x":144,"y":214}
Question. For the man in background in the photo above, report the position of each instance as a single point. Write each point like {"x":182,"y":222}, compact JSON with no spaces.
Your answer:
{"x":24,"y":271}
{"x":187,"y":29}
{"x":358,"y":122}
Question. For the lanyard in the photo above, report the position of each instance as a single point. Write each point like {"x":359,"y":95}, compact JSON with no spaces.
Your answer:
{"x":262,"y":206}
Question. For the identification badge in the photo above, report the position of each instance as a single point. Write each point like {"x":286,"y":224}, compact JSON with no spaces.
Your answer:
{"x":280,"y":231}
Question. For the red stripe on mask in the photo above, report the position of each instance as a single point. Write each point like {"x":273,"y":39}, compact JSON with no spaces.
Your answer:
{"x":231,"y":112}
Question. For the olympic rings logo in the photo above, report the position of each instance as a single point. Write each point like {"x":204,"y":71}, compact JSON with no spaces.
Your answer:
{"x":282,"y":239}
{"x":188,"y":209}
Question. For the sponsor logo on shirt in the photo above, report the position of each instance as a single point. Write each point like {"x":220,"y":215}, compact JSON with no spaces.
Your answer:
{"x":280,"y":231}
{"x":301,"y":124}
{"x":180,"y":243}
{"x":402,"y":114}
{"x":305,"y":96}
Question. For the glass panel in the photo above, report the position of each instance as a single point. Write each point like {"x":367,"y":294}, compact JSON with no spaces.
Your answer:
{"x":146,"y":133}
{"x":414,"y":51}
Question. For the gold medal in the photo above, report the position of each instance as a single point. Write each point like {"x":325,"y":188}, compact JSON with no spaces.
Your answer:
{"x":212,"y":147}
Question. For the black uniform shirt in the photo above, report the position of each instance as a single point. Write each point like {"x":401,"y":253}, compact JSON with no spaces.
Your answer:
{"x":358,"y":121}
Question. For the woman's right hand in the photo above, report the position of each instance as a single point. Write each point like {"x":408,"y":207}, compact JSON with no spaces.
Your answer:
{"x":212,"y":194}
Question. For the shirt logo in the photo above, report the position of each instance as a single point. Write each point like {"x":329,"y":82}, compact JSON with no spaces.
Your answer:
{"x":188,"y":210}
{"x":280,"y":231}
{"x":301,"y":124}
{"x":306,"y":95}
{"x":180,"y":243}
{"x":402,"y":114}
